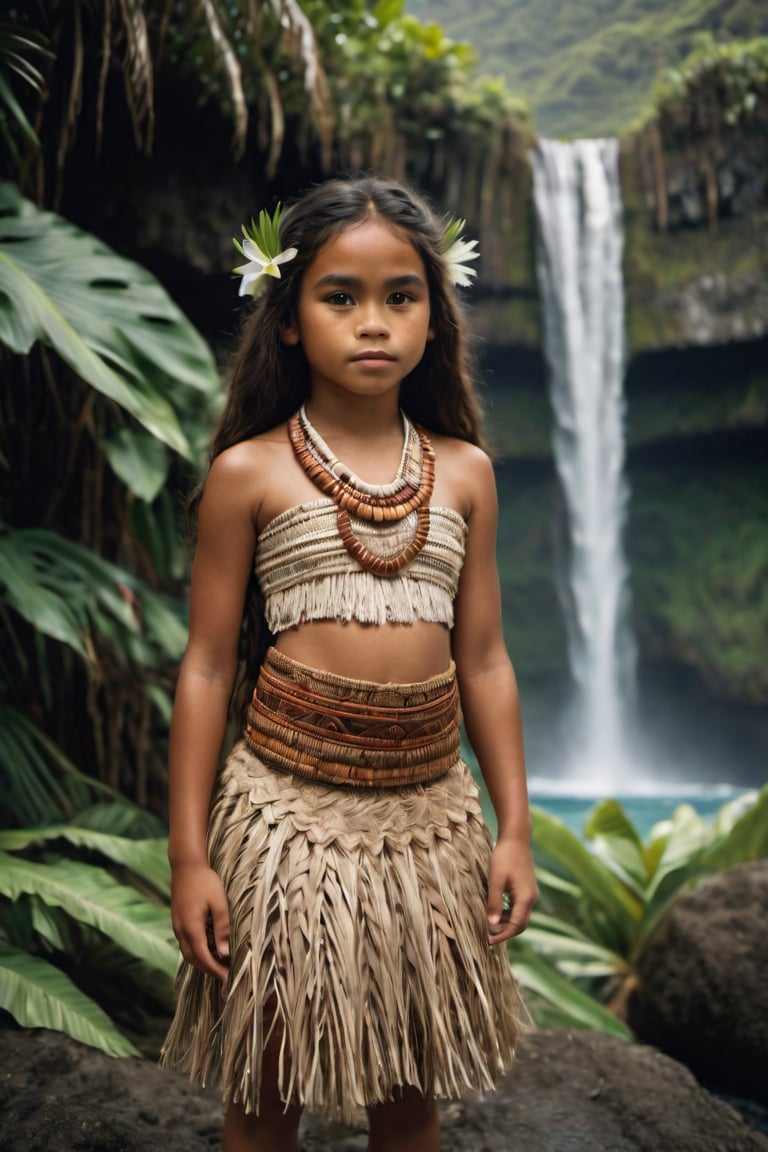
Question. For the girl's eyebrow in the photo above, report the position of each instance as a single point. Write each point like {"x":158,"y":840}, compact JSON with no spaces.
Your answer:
{"x":340,"y":280}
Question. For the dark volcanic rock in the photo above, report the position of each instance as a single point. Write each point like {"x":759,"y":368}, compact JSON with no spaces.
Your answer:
{"x":703,"y":982}
{"x":571,"y":1092}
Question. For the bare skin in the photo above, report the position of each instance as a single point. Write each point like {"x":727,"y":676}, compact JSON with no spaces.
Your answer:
{"x":363,"y":319}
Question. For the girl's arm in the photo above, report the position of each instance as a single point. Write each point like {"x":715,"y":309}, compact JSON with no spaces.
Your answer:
{"x":491,"y":705}
{"x":223,"y":558}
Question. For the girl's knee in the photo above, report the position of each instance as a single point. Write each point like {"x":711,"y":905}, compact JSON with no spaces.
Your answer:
{"x":408,"y":1112}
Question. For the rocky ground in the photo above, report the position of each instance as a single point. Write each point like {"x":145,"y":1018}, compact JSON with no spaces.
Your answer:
{"x":570,"y":1092}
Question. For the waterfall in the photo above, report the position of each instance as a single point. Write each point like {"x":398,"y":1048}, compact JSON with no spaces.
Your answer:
{"x":579,"y":251}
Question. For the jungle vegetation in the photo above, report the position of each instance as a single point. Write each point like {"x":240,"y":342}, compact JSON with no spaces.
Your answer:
{"x":586,"y":67}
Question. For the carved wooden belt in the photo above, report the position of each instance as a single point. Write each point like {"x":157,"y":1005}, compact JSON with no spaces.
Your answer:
{"x":351,"y":732}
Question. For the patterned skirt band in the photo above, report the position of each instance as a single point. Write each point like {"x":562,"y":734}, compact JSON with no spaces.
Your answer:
{"x":353,"y":733}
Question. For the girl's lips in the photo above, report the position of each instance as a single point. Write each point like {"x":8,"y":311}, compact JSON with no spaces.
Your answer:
{"x":373,"y":355}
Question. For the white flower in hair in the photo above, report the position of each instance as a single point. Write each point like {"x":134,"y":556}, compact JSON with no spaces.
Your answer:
{"x":258,"y":247}
{"x":457,"y":250}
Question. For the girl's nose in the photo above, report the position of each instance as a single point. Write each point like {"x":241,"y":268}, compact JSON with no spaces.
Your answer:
{"x":372,"y":323}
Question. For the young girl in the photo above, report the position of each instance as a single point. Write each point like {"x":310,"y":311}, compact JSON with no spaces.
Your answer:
{"x":341,"y":911}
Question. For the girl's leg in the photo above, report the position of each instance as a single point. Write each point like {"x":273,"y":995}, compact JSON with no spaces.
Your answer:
{"x":410,"y":1123}
{"x":274,"y":1129}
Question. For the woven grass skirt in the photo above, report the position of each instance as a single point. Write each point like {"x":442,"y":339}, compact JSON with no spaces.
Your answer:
{"x":358,"y":939}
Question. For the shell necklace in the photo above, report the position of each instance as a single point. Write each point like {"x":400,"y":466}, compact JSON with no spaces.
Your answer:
{"x":410,"y":491}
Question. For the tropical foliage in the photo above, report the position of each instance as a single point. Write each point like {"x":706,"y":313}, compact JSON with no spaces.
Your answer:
{"x":106,"y":388}
{"x":103,"y":380}
{"x":732,"y":77}
{"x":600,"y":900}
{"x":105,"y":385}
{"x":83,"y":912}
{"x":585,"y":67}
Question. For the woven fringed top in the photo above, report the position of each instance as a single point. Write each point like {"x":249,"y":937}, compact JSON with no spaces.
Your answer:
{"x":306,"y":573}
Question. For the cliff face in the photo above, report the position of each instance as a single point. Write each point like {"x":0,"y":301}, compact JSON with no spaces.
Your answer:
{"x":695,"y":190}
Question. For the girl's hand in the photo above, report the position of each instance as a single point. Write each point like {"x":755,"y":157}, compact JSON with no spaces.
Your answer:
{"x":512,"y":890}
{"x":200,"y":916}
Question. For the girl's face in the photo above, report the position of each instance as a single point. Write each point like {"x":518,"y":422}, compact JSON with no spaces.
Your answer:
{"x":362,"y":316}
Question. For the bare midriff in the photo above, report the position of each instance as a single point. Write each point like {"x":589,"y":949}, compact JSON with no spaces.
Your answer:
{"x":382,"y":653}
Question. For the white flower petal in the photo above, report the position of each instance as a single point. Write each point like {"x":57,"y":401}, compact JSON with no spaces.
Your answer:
{"x":285,"y":256}
{"x":247,"y":269}
{"x":462,"y":276}
{"x":455,"y":256}
{"x":250,"y":284}
{"x":253,"y":252}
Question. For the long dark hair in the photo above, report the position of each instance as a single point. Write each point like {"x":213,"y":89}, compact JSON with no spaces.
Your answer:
{"x":270,"y":380}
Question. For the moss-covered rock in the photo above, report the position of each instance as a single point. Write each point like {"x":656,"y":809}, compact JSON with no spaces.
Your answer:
{"x":698,"y":545}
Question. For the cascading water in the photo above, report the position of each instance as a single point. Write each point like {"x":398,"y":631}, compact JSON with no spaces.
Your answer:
{"x":580,"y":243}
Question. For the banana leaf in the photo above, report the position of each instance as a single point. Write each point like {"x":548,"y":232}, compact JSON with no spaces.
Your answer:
{"x":38,"y":995}
{"x":108,"y":966}
{"x":695,"y":849}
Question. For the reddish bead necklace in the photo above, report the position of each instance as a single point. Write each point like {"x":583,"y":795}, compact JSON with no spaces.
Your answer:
{"x":410,"y":491}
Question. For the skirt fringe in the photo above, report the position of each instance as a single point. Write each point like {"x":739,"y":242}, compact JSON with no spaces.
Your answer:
{"x":358,"y":942}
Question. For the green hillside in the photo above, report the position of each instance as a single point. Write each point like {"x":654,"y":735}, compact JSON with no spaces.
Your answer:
{"x":587,"y":66}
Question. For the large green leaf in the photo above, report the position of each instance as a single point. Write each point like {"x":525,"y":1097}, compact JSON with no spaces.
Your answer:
{"x":686,"y":836}
{"x":66,"y":591}
{"x":604,"y":892}
{"x":575,"y":1006}
{"x":38,"y":995}
{"x":139,"y":460}
{"x":572,"y":953}
{"x":694,"y":849}
{"x":44,"y":607}
{"x":91,"y":895}
{"x":145,"y":858}
{"x":616,"y":841}
{"x":105,"y":316}
{"x":119,"y":818}
{"x":740,"y":832}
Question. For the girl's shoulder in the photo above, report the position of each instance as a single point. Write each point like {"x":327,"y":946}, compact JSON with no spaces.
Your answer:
{"x":241,"y":475}
{"x":249,"y":455}
{"x":473,"y":461}
{"x":464,"y":478}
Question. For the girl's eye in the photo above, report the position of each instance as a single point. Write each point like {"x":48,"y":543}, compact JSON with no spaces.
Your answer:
{"x":340,"y":299}
{"x":399,"y":298}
